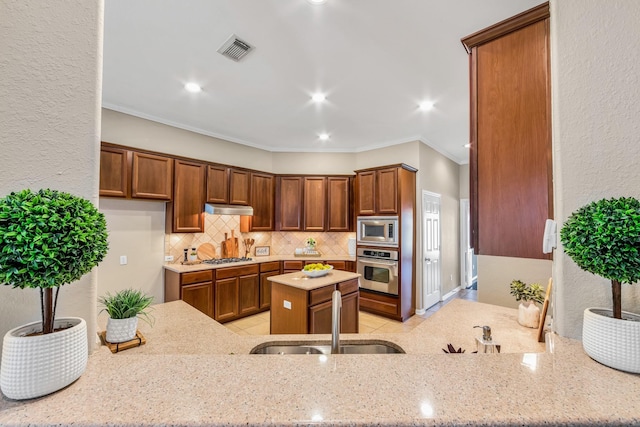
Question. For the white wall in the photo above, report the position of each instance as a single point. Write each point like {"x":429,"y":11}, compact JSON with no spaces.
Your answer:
{"x":50,"y":124}
{"x":136,"y":230}
{"x":595,"y":74}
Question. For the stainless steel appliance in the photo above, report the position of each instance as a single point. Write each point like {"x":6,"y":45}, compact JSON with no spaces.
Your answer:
{"x":379,"y":270}
{"x":377,"y":230}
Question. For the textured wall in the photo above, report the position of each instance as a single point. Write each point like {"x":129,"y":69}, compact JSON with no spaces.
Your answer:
{"x":595,"y":91}
{"x":50,"y":83}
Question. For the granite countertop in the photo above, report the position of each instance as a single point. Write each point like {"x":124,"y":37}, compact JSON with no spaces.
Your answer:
{"x":186,"y":268}
{"x":195,"y":372}
{"x":301,"y":281}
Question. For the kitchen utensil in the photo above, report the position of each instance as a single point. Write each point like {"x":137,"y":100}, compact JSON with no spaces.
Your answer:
{"x":206,"y":251}
{"x":223,"y":247}
{"x":234,"y":244}
{"x":248,"y":243}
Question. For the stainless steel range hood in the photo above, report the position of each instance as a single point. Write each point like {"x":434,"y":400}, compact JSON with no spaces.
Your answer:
{"x":228,"y":209}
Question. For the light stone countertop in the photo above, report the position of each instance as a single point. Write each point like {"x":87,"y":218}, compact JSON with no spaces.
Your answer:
{"x":180,"y":268}
{"x":195,"y":372}
{"x":301,"y":281}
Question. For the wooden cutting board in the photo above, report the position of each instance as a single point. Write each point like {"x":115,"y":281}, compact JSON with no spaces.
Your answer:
{"x":206,"y":251}
{"x":229,"y":246}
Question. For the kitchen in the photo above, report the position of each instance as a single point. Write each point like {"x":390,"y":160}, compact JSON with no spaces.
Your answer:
{"x":455,"y":376}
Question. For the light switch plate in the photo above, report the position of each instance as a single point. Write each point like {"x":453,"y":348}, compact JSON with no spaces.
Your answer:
{"x":287,"y":304}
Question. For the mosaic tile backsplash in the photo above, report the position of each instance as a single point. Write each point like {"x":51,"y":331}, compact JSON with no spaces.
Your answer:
{"x":280,"y":242}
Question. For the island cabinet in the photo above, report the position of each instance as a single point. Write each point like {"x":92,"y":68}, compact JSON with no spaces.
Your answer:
{"x":301,"y":305}
{"x":135,"y":174}
{"x":378,"y":191}
{"x":236,"y":292}
{"x":195,"y":288}
{"x":185,"y":214}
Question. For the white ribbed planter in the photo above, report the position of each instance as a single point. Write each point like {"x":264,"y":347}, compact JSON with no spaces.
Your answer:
{"x":121,"y":330}
{"x":612,"y":342}
{"x":33,"y":366}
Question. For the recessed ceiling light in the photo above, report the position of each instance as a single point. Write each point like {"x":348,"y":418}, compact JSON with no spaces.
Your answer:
{"x":426,"y":105}
{"x":323,"y":136}
{"x":318,"y":97}
{"x":192,"y":87}
{"x":317,"y":1}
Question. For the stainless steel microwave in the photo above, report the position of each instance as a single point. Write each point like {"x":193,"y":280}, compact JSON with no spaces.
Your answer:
{"x":377,"y":230}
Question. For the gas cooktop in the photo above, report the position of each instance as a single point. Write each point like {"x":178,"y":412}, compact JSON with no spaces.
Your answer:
{"x":225,"y":260}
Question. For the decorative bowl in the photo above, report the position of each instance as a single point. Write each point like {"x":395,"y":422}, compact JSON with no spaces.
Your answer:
{"x":317,"y":273}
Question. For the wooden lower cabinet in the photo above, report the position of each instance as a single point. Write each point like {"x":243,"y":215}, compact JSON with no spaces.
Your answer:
{"x":195,"y":288}
{"x":267,"y":269}
{"x":384,"y":305}
{"x":310,"y":312}
{"x":236,"y":292}
{"x":200,"y":296}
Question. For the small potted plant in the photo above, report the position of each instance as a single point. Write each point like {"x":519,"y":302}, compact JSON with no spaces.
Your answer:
{"x":603,"y":238}
{"x":124,"y":308}
{"x":47,"y":239}
{"x":529,"y":295}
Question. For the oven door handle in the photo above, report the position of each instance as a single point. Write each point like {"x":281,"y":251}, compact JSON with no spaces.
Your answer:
{"x":378,"y":262}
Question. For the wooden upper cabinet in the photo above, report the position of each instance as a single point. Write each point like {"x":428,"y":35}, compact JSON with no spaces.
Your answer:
{"x":263,"y":202}
{"x":339,"y":204}
{"x":186,"y":212}
{"x":315,"y":203}
{"x":366,"y":189}
{"x":239,"y":187}
{"x":114,"y":172}
{"x":151,"y":176}
{"x":217,"y":184}
{"x":289,"y":209}
{"x":387,"y":191}
{"x":510,"y":159}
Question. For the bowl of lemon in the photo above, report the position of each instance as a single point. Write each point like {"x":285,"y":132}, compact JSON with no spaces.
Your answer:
{"x":317,"y":269}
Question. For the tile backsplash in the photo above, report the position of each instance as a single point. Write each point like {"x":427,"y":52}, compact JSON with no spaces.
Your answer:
{"x":280,"y":242}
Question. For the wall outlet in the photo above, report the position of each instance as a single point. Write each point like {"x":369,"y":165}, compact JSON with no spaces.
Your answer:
{"x":123,"y":260}
{"x":287,"y":304}
{"x":168,"y":258}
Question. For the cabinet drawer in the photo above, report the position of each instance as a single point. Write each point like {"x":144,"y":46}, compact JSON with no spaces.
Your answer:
{"x":292,"y":265}
{"x":195,"y":277}
{"x":348,"y":286}
{"x":270,"y":266}
{"x":338,"y":265}
{"x":319,"y":295}
{"x":245,"y":270}
{"x":382,"y":306}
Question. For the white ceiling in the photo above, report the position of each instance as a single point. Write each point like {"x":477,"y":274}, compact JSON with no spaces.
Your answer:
{"x":374,"y":59}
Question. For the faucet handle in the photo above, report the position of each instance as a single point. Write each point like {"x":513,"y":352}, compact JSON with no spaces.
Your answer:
{"x":486,"y":332}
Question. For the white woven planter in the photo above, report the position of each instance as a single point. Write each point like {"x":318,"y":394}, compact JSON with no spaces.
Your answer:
{"x":612,"y":342}
{"x":121,"y":330}
{"x":33,"y":366}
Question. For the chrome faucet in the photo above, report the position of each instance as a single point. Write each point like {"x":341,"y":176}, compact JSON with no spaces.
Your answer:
{"x":336,"y":308}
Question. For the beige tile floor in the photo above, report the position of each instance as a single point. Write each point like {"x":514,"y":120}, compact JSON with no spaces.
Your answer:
{"x":369,"y":323}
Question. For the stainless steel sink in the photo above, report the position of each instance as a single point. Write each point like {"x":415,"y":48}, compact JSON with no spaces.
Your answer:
{"x":284,"y":347}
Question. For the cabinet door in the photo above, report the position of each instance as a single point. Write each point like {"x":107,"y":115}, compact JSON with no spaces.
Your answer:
{"x":239,"y":187}
{"x":217,"y":184}
{"x":151,"y":176}
{"x":265,"y":288}
{"x":349,"y":321}
{"x":114,"y":172}
{"x":366,"y":187}
{"x":338,"y":204}
{"x":387,"y":191}
{"x":263,"y":202}
{"x":248,"y":294}
{"x":320,"y":318}
{"x":338,"y":265}
{"x":226,"y":299}
{"x":290,"y":204}
{"x":200,"y":296}
{"x":187,"y":209}
{"x":315,"y":202}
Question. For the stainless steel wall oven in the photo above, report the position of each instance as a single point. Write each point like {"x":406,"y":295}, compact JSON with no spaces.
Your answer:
{"x":379,"y":270}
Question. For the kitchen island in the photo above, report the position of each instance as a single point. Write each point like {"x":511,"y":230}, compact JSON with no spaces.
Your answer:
{"x":302,"y":305}
{"x":195,"y":372}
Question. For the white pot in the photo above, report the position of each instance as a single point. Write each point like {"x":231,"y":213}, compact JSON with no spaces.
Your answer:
{"x":33,"y":366}
{"x":612,"y":342}
{"x":121,"y":330}
{"x":529,"y":314}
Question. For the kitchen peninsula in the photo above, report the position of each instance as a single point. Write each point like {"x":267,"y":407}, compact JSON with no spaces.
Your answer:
{"x":302,"y":304}
{"x":195,"y":372}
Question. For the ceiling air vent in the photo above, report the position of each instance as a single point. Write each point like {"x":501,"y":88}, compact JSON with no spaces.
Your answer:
{"x":235,"y":48}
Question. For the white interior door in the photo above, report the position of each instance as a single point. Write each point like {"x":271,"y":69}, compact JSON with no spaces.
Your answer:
{"x":466,"y":252}
{"x":431,"y":275}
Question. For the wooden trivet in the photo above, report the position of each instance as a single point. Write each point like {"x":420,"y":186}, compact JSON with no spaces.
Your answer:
{"x":121,"y":346}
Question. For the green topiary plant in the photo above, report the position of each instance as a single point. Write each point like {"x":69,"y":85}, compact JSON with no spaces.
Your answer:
{"x":524,"y":292}
{"x":47,"y":239}
{"x":126,"y":304}
{"x":603,"y":238}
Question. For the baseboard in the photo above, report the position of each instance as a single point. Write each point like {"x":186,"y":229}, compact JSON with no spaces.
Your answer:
{"x":421,"y":311}
{"x":450,"y":294}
